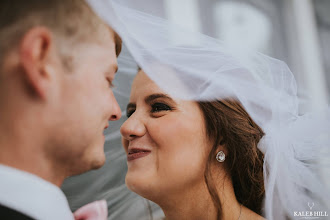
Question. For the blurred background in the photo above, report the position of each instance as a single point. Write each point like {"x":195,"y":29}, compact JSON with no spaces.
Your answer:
{"x":295,"y":31}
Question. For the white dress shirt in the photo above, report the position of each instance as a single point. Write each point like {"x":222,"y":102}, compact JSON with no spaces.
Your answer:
{"x":32,"y":196}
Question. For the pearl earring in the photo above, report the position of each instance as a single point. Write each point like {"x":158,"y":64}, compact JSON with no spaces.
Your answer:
{"x":220,"y":156}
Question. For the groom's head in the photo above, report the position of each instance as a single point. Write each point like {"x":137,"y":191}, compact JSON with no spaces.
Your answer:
{"x":57,"y":62}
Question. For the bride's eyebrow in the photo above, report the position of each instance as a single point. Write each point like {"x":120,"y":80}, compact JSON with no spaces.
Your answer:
{"x":152,"y":97}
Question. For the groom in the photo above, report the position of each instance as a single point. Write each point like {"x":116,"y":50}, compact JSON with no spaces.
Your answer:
{"x":57,"y":63}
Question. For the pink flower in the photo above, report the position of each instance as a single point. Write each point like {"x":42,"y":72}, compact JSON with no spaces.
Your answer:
{"x":97,"y":210}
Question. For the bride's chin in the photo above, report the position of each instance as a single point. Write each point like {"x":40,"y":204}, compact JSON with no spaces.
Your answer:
{"x":140,"y":187}
{"x":135,"y":185}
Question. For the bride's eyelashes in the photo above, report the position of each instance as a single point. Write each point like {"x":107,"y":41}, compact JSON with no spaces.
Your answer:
{"x":129,"y":112}
{"x":159,"y":107}
{"x":156,"y":109}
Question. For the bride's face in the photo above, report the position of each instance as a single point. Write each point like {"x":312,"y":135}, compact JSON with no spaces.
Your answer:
{"x":165,"y":141}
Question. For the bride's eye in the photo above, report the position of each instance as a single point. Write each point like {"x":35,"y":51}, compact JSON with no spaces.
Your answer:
{"x":129,"y":112}
{"x":158,"y":107}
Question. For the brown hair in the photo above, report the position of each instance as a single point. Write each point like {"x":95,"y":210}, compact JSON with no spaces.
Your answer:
{"x":228,"y":124}
{"x":71,"y":21}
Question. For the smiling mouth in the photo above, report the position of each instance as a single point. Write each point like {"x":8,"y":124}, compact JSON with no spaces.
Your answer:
{"x":137,"y":153}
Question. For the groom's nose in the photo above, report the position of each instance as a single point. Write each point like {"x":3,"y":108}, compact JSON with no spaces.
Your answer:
{"x":115,"y":110}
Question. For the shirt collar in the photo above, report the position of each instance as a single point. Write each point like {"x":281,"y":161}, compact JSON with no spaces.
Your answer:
{"x":32,"y":195}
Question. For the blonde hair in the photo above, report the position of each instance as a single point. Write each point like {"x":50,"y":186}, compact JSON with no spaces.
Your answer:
{"x":71,"y":21}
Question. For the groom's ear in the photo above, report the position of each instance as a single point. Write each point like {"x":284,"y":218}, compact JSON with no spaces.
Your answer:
{"x":37,"y":57}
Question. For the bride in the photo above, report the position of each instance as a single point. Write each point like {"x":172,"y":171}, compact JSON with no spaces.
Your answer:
{"x":212,"y":132}
{"x":196,"y":160}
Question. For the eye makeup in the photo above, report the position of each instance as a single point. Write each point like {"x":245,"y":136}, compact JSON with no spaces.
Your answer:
{"x":159,"y":103}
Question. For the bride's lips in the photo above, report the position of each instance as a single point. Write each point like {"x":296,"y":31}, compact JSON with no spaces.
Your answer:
{"x":136,"y":153}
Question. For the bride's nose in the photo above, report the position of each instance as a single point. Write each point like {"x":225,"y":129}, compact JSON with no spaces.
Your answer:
{"x":133,"y":127}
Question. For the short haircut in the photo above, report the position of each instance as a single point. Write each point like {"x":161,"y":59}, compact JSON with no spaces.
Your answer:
{"x":71,"y":21}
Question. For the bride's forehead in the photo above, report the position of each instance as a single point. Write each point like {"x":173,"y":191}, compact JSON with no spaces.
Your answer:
{"x":142,"y":77}
{"x":144,"y":87}
{"x":143,"y":84}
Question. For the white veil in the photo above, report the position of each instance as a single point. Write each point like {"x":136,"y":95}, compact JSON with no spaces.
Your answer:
{"x":193,"y":66}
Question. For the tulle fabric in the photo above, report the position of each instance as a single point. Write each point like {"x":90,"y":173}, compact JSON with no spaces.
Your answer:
{"x":296,"y":147}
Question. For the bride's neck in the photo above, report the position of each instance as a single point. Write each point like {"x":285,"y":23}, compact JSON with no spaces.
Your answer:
{"x":190,"y":204}
{"x":196,"y":203}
